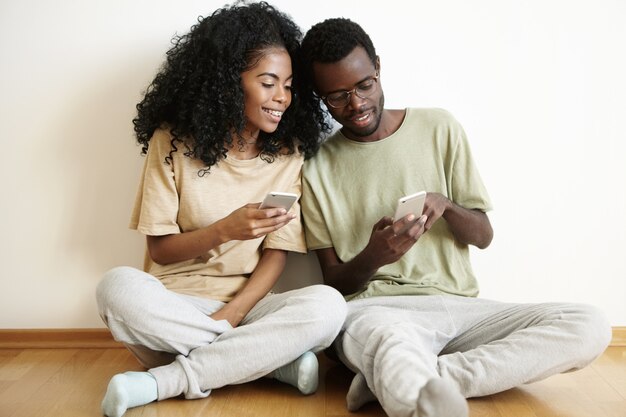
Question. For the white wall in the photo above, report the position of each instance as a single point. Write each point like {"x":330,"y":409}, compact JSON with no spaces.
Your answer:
{"x":538,"y":85}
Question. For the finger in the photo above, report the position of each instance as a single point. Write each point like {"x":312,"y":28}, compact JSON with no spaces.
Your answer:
{"x":272,"y":212}
{"x":404,"y":224}
{"x":423,"y":219}
{"x":411,"y":231}
{"x":269,"y":229}
{"x":418,"y":228}
{"x":382,"y":223}
{"x":429,"y":222}
{"x":404,"y":240}
{"x":273,"y":221}
{"x":406,"y":246}
{"x":399,"y":245}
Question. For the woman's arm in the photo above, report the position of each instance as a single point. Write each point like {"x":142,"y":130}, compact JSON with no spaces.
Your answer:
{"x":247,"y":222}
{"x":261,"y":281}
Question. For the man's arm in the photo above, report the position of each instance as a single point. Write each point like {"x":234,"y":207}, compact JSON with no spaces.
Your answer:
{"x":388,"y":242}
{"x":470,"y":227}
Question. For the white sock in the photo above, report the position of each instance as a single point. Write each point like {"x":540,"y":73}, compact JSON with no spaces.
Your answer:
{"x":441,"y":398}
{"x":359,"y":393}
{"x":127,"y":390}
{"x":301,"y":373}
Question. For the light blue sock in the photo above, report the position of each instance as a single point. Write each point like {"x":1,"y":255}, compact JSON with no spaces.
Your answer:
{"x":301,"y":373}
{"x":127,"y":390}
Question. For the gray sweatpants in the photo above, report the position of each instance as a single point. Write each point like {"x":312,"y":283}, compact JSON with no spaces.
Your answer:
{"x":482,"y":346}
{"x":197,"y":353}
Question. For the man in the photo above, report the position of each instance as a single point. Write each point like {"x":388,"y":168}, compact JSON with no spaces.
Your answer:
{"x":416,"y":336}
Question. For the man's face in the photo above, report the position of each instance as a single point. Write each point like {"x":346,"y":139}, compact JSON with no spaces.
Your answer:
{"x":361,"y":117}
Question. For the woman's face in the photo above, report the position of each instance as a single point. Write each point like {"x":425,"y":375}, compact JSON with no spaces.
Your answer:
{"x":267,"y":91}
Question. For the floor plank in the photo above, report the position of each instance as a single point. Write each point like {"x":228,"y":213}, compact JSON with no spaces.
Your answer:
{"x":71,"y":383}
{"x":30,"y":370}
{"x":611,"y":366}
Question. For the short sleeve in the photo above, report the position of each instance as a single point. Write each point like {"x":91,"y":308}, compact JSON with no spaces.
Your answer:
{"x":156,"y":206}
{"x":291,"y":236}
{"x":316,"y":232}
{"x":464,"y":183}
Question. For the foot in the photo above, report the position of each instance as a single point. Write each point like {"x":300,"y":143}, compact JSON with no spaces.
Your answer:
{"x":301,"y":373}
{"x":441,"y":398}
{"x":127,"y":390}
{"x":359,"y":393}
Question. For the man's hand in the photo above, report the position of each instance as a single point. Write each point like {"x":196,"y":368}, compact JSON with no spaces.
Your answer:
{"x":434,"y":207}
{"x":389,"y":241}
{"x":469,"y":226}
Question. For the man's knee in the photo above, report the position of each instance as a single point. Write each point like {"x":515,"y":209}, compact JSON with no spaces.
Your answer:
{"x":593,"y":329}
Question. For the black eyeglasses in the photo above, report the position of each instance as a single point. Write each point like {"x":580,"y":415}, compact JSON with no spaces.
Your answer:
{"x":364,"y":89}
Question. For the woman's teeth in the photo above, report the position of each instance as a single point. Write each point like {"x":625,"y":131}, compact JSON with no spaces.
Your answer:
{"x":273,"y":112}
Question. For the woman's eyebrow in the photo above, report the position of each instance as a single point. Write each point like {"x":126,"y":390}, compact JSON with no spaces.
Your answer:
{"x":271,"y":74}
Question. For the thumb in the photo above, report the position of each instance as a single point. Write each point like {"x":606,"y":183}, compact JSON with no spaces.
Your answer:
{"x":382,"y":223}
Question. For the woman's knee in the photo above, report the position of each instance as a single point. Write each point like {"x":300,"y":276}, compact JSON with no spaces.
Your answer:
{"x":115,"y":287}
{"x":325,"y":312}
{"x":331,"y":305}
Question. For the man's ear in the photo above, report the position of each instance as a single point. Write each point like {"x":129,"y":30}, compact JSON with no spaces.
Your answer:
{"x":377,"y":65}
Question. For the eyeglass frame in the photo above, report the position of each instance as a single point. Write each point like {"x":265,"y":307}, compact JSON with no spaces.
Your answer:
{"x":353,"y":91}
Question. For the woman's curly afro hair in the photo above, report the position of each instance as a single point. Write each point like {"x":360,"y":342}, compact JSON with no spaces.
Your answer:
{"x":197,"y":94}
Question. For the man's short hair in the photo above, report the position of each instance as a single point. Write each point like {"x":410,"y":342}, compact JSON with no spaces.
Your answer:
{"x":333,"y":39}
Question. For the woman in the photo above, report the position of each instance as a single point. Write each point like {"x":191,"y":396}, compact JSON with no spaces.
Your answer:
{"x":223,"y":123}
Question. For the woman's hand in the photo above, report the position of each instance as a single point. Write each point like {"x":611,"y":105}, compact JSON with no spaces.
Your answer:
{"x":229,"y":314}
{"x":265,"y":275}
{"x":247,"y":222}
{"x":251,"y":222}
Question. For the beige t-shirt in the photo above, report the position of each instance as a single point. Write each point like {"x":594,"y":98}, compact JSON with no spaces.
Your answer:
{"x":173,"y":198}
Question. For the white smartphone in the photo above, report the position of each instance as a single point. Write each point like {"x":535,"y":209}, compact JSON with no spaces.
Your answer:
{"x":408,"y":204}
{"x":278,"y":199}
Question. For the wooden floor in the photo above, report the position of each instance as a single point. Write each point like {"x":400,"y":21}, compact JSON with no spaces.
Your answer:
{"x":71,"y":382}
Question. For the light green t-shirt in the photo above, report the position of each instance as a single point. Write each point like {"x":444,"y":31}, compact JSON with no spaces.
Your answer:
{"x":348,"y":186}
